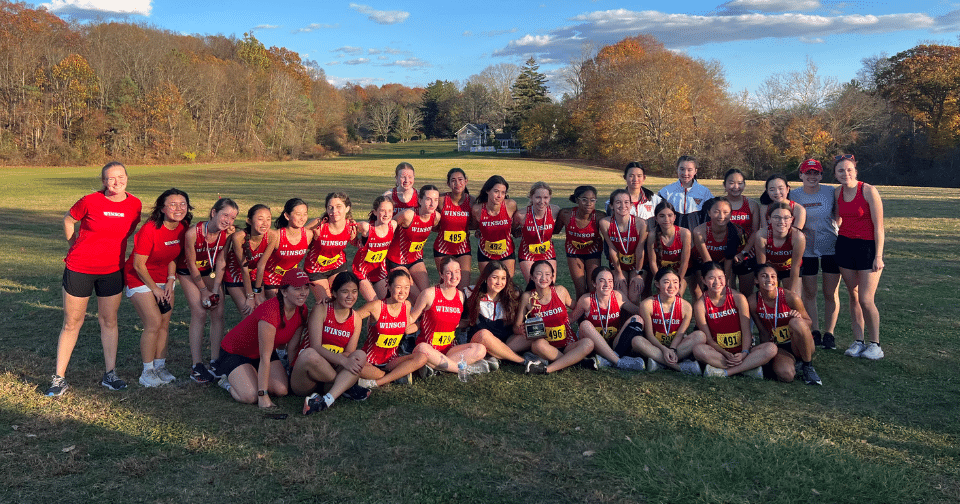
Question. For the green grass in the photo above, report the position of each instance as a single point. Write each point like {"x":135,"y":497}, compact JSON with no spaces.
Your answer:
{"x":883,"y":431}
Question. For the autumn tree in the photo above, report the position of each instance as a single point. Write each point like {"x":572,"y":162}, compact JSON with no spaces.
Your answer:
{"x":409,"y":122}
{"x":528,"y":91}
{"x":381,"y":117}
{"x":498,"y":79}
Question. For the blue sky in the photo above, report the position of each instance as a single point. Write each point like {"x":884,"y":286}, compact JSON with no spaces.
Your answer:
{"x":415,"y":43}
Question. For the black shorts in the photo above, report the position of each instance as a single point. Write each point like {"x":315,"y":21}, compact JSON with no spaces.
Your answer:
{"x":586,"y":257}
{"x":782,"y":275}
{"x":186,"y":272}
{"x":812,"y":265}
{"x":746,"y":266}
{"x":855,"y":254}
{"x":83,"y":285}
{"x":624,"y":346}
{"x":497,"y":327}
{"x":392,"y":265}
{"x":228,"y":361}
{"x":439,"y":255}
{"x":232,"y":284}
{"x":482,"y":258}
{"x":327,"y":275}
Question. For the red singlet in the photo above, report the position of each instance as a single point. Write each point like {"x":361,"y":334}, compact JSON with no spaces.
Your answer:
{"x":625,"y":246}
{"x":370,"y":261}
{"x":535,"y":237}
{"x":775,"y":319}
{"x":407,"y":245}
{"x":781,"y":258}
{"x":495,"y":240}
{"x":582,"y":241}
{"x":399,"y":206}
{"x":233,"y":273}
{"x":606,"y":319}
{"x":664,"y":328}
{"x":856,"y":220}
{"x":440,"y":321}
{"x":724,"y":322}
{"x":384,"y":335}
{"x":284,"y":257}
{"x":326,"y":252}
{"x":453,"y":237}
{"x":669,"y":254}
{"x":556,"y":321}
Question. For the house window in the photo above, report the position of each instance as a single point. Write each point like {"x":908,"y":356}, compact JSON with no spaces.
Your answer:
{"x":463,"y":142}
{"x":476,"y":142}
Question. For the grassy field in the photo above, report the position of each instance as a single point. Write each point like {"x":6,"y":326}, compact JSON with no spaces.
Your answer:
{"x":886,"y":431}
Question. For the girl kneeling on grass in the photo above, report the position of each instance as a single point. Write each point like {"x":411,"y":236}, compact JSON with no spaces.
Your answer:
{"x":603,"y":311}
{"x":491,"y":310}
{"x":388,"y":324}
{"x":666,"y":317}
{"x":781,"y":318}
{"x":328,"y":352}
{"x":723,"y":315}
{"x":248,"y":354}
{"x":441,"y":308}
{"x":559,"y":347}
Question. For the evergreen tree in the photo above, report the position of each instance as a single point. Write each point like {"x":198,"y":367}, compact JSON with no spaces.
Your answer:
{"x":529,"y":90}
{"x":440,"y":110}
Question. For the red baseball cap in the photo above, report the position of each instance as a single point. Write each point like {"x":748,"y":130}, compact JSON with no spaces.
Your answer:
{"x":811,"y":165}
{"x":294,"y":277}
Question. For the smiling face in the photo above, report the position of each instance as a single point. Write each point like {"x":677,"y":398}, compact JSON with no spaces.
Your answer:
{"x":450,"y":274}
{"x":497,"y":194}
{"x":261,"y":222}
{"x":666,"y":218}
{"x":767,"y":280}
{"x":496,"y":282}
{"x":811,"y":179}
{"x":587,"y":202}
{"x":405,"y":179}
{"x":429,"y":201}
{"x":542,"y":276}
{"x":734,"y":185}
{"x":635,"y":179}
{"x":669,"y":284}
{"x":604,"y":283}
{"x":621,"y":205}
{"x":540,"y":199}
{"x":400,"y":288}
{"x":720,"y":213}
{"x":384,"y":212}
{"x":297,"y":295}
{"x":174,"y":208}
{"x":457,"y":182}
{"x":777,"y":189}
{"x":114,"y":181}
{"x":224,"y":218}
{"x":780,"y":221}
{"x":686,"y":171}
{"x":846,"y":172}
{"x":337,"y":210}
{"x":298,"y":217}
{"x":715,"y":281}
{"x":346,"y":295}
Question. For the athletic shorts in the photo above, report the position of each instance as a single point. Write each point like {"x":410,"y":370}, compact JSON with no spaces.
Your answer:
{"x":497,"y":327}
{"x":392,"y":265}
{"x":624,"y":346}
{"x":438,"y":255}
{"x":745,"y":267}
{"x":228,"y":361}
{"x":83,"y":285}
{"x":812,"y":265}
{"x":855,"y":254}
{"x":186,"y":272}
{"x":143,"y":288}
{"x":586,"y":257}
{"x":482,"y":258}
{"x":327,"y":275}
{"x":783,"y":275}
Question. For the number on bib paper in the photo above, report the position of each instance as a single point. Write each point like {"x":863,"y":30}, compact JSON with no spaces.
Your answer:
{"x":580,"y":245}
{"x":326,"y":261}
{"x":417,"y":246}
{"x":333,"y":348}
{"x":540,"y":248}
{"x":389,"y":340}
{"x":454,"y":236}
{"x":202,"y":263}
{"x":498,"y":247}
{"x":443,"y":338}
{"x":729,"y":340}
{"x":375,"y":257}
{"x":628,"y":259}
{"x":665,"y":339}
{"x":781,"y":334}
{"x":278,"y":270}
{"x":556,"y":333}
{"x":668,"y":264}
{"x":609,"y":334}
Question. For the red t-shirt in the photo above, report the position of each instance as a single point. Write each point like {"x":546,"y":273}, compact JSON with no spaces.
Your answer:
{"x":161,"y":246}
{"x":244,"y":338}
{"x":101,"y":244}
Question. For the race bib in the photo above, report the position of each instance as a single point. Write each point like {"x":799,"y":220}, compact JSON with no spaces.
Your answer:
{"x":375,"y":257}
{"x":495,"y":248}
{"x":664,"y":338}
{"x":278,"y":270}
{"x":729,"y":340}
{"x":668,"y":264}
{"x":417,"y":246}
{"x":326,"y":261}
{"x":443,"y":338}
{"x":781,"y":334}
{"x":580,"y":245}
{"x":454,"y":236}
{"x":608,"y":334}
{"x":556,"y":333}
{"x":539,"y":248}
{"x":628,"y":260}
{"x":202,"y":263}
{"x":389,"y":340}
{"x":333,"y":348}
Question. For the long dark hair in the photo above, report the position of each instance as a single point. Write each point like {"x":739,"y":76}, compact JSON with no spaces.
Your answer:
{"x":765,"y":198}
{"x":736,"y":238}
{"x":530,"y":284}
{"x":509,"y":297}
{"x":488,"y":185}
{"x":288,"y":207}
{"x":658,"y":230}
{"x":250,"y":214}
{"x":461,"y":172}
{"x":156,"y":216}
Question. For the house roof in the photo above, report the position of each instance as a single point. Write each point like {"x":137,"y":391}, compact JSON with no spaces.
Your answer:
{"x":477,"y":128}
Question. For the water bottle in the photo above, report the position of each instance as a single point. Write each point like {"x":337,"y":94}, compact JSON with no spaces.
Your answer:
{"x":462,"y":373}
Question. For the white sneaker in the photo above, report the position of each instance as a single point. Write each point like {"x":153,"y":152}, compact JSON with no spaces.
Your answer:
{"x":714,"y":372}
{"x":756,"y":372}
{"x":872,"y":352}
{"x":224,"y":383}
{"x":690,"y":367}
{"x":631,"y":363}
{"x":856,"y":349}
{"x":603,"y":362}
{"x":370,"y":384}
{"x":149,"y":378}
{"x":652,"y":365}
{"x":164,"y":375}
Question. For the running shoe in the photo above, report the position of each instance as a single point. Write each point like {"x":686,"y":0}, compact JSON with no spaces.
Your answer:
{"x":493,"y":363}
{"x":810,"y":376}
{"x":817,"y":338}
{"x":691,"y":367}
{"x":111,"y":381}
{"x":200,"y":374}
{"x":590,"y":363}
{"x":165,"y":374}
{"x":829,"y":341}
{"x":224,"y":383}
{"x":756,"y":372}
{"x":856,"y":348}
{"x":873,"y":351}
{"x":357,"y":393}
{"x":365,"y":383}
{"x":534,"y":357}
{"x":714,"y":372}
{"x":427,"y":372}
{"x":631,"y":364}
{"x":406,"y":379}
{"x":214,"y":371}
{"x":313,"y":403}
{"x":603,"y":362}
{"x":149,"y":378}
{"x":58,"y":385}
{"x":534,"y":367}
{"x":652,"y":365}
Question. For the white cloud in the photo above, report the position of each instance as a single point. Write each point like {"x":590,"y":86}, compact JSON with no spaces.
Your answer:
{"x":381,"y":17}
{"x":409,"y":63}
{"x":358,"y":61}
{"x":687,"y":30}
{"x":314,"y":27}
{"x":348,"y":50}
{"x":265,"y":27}
{"x":91,"y":9}
{"x":343,"y":81}
{"x":815,"y":40}
{"x":742,"y":6}
{"x":332,"y":63}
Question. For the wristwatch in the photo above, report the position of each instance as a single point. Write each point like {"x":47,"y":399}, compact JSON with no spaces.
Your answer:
{"x":261,"y":393}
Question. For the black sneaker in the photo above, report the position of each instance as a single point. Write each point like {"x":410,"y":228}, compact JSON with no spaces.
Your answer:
{"x":200,"y":374}
{"x":534,"y":367}
{"x":816,"y":338}
{"x":829,"y":342}
{"x":590,"y":363}
{"x":213,"y":370}
{"x":313,"y":403}
{"x":810,"y":376}
{"x":58,"y":385}
{"x":111,"y":381}
{"x":357,"y":393}
{"x":407,"y":344}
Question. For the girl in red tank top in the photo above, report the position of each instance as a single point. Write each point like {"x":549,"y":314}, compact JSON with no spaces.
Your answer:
{"x":744,"y":212}
{"x":453,"y":233}
{"x":404,"y":195}
{"x":439,"y":310}
{"x":536,"y":223}
{"x":623,"y":233}
{"x":856,"y":221}
{"x":244,"y":251}
{"x":782,"y":320}
{"x":327,"y":352}
{"x":286,"y":246}
{"x":783,"y":246}
{"x":718,"y":239}
{"x":543,"y":299}
{"x":327,"y":256}
{"x":370,"y":262}
{"x":669,"y":245}
{"x":666,"y":318}
{"x":583,"y":242}
{"x":723,"y":315}
{"x":493,"y":213}
{"x":413,"y":229}
{"x":604,"y":312}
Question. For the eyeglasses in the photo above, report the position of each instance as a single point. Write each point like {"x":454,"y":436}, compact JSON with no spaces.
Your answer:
{"x":588,"y":200}
{"x":176,"y":205}
{"x":777,"y":218}
{"x":841,"y":157}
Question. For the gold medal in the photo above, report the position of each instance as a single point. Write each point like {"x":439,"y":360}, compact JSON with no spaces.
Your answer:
{"x":213,"y":274}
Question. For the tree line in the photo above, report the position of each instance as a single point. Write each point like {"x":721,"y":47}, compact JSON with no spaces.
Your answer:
{"x":74,"y":94}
